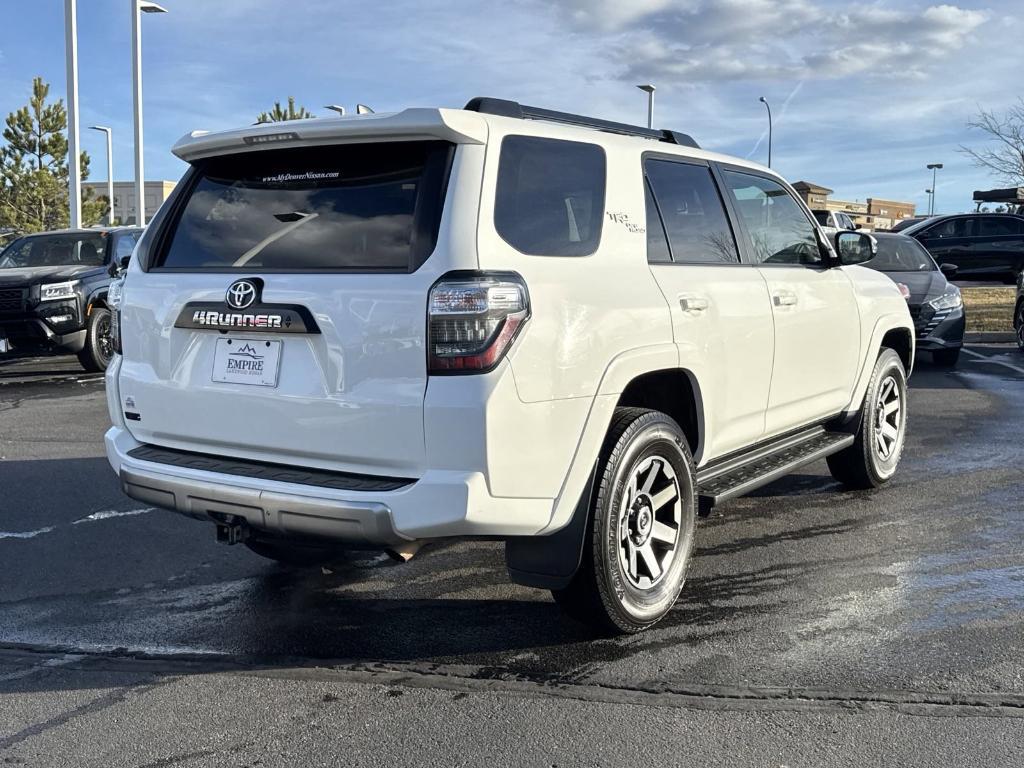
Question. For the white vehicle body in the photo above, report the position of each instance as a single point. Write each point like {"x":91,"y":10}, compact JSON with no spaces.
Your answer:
{"x":758,"y":351}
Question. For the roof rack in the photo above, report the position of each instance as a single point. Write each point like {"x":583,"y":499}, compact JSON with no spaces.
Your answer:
{"x":505,"y":108}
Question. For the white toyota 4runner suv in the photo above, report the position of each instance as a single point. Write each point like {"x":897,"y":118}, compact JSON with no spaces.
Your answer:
{"x":567,"y":334}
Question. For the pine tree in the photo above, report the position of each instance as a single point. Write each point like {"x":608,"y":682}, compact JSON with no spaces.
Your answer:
{"x":34,"y":168}
{"x":277,"y":114}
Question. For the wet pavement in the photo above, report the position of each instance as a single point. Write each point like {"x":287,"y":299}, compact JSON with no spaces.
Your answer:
{"x":905,"y":596}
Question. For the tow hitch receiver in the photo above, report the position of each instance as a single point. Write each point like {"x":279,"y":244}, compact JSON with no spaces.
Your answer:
{"x":232,"y":531}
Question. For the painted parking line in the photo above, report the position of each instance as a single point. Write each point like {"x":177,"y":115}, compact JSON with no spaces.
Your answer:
{"x":990,"y":361}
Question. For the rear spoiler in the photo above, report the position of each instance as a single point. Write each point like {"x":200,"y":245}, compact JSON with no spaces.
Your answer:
{"x":456,"y":126}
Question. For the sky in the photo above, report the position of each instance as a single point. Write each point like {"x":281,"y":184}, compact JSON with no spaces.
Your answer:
{"x":864,"y":94}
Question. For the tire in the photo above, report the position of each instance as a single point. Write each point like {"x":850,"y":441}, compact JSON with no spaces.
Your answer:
{"x":872,"y":459}
{"x":99,"y":346}
{"x":616,"y":589}
{"x":1018,"y":325}
{"x":292,"y":553}
{"x":947,"y":358}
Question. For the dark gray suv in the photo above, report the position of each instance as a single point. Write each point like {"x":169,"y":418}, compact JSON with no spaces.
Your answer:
{"x":984,"y":246}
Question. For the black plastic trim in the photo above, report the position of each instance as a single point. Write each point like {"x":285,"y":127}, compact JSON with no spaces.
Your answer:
{"x":262,"y":470}
{"x":294,"y":318}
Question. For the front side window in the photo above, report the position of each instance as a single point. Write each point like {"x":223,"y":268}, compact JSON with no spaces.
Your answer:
{"x":780,"y":232}
{"x":348,"y":207}
{"x":695,"y":220}
{"x":125,"y":244}
{"x":550,"y":196}
{"x":949,"y":228}
{"x":64,"y":250}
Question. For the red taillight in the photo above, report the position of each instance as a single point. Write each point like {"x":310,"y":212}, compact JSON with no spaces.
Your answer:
{"x":472,"y":321}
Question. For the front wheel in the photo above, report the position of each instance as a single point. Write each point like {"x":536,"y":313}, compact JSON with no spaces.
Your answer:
{"x":99,"y":342}
{"x":872,"y":459}
{"x":641,"y":529}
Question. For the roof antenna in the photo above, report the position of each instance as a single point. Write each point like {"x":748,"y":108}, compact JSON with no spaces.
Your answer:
{"x":336,"y":108}
{"x":362,"y":109}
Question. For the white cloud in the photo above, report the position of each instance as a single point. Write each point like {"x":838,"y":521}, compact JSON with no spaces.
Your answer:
{"x":695,"y":41}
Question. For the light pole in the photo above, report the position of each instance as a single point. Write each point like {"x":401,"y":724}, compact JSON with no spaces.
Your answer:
{"x":71,"y":57}
{"x":139,"y":7}
{"x":110,"y":170}
{"x":649,"y":90}
{"x":931,"y":197}
{"x":764,"y":101}
{"x":933,"y":167}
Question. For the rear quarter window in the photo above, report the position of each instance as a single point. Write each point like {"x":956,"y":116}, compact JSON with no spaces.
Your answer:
{"x":550,"y":196}
{"x":354,"y":207}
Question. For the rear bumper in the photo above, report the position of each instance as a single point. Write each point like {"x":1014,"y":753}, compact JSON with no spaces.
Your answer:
{"x":440,"y":504}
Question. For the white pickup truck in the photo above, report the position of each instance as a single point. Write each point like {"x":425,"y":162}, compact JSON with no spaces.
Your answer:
{"x":571,"y":335}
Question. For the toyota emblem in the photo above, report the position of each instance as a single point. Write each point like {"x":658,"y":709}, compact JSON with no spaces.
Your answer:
{"x":241,"y":294}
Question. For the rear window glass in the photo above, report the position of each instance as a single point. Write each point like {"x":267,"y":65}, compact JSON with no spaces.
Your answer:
{"x":350,"y":207}
{"x":550,"y":196}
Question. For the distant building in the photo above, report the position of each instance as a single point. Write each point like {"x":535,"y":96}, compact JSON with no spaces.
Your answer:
{"x":874,"y":214}
{"x":812,"y":194}
{"x":124,"y":197}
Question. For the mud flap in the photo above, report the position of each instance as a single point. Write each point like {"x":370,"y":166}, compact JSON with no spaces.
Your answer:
{"x":550,"y":562}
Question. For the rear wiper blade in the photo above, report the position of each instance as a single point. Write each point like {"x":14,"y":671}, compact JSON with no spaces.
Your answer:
{"x":296,"y":219}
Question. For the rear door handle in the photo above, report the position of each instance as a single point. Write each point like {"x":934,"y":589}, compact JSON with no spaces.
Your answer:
{"x":693,"y":303}
{"x":784,"y":299}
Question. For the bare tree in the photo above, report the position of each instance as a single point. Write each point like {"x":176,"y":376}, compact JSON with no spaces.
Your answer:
{"x":1005,"y":154}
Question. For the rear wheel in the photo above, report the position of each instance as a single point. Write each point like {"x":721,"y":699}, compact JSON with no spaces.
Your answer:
{"x":292,"y":553}
{"x":872,"y":459}
{"x":99,"y":343}
{"x":947,"y":358}
{"x":641,"y":530}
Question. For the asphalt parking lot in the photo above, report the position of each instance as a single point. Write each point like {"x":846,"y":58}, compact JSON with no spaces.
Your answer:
{"x":818,"y":627}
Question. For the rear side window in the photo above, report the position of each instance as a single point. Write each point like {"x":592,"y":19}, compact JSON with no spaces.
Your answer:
{"x":695,"y":221}
{"x":998,"y":226}
{"x":357,"y":207}
{"x":550,"y":196}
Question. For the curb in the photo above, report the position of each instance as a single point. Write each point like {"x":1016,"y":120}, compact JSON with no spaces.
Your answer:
{"x":989,"y":337}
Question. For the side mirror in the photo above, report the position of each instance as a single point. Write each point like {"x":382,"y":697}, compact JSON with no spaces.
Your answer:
{"x":949,"y":269}
{"x":855,"y":247}
{"x":117,"y":267}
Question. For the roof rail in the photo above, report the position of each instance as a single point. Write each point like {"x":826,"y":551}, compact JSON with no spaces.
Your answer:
{"x":505,"y":108}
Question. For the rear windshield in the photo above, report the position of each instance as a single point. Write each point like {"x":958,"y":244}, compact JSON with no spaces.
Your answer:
{"x":360,"y":207}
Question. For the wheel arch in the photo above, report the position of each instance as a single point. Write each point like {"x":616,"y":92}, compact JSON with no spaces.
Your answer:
{"x":891,"y":331}
{"x":550,"y":560}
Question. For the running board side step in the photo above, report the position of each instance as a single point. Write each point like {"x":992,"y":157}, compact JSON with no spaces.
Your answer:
{"x":738,"y":475}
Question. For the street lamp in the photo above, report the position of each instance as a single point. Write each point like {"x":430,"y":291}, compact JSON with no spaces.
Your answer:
{"x":764,"y":101}
{"x":649,"y":90}
{"x":110,"y":170}
{"x":71,"y":59}
{"x":139,"y":7}
{"x":933,"y":167}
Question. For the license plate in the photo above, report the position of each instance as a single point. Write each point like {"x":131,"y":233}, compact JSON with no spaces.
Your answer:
{"x":247,"y":361}
{"x":5,"y":346}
